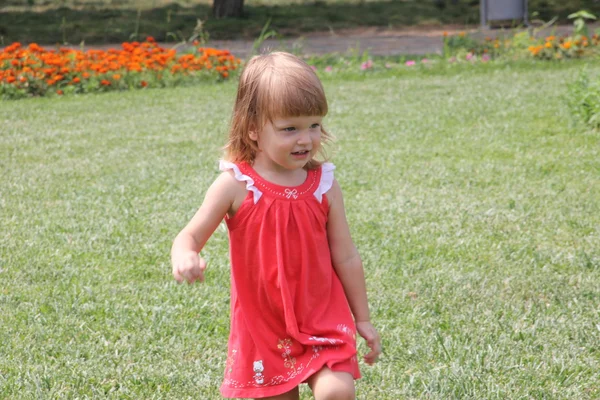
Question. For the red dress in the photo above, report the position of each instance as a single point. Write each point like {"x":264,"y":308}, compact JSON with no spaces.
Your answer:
{"x":289,"y":313}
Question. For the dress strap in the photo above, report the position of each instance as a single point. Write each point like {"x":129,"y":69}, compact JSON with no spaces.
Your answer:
{"x":326,"y":181}
{"x":240,"y":176}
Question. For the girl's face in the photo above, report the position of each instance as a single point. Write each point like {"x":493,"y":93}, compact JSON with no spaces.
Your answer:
{"x":288,"y":143}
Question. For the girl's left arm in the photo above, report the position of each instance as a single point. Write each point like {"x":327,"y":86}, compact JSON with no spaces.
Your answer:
{"x":348,"y":266}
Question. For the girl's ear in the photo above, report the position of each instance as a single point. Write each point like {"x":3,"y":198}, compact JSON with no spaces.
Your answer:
{"x":253,"y":132}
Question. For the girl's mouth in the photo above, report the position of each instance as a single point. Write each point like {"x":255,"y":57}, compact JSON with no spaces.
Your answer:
{"x":301,"y":153}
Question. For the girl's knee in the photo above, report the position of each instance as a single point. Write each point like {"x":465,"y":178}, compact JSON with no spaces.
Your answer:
{"x":330,"y":385}
{"x":338,"y":392}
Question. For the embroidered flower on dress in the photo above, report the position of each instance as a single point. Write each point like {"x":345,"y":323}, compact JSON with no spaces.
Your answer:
{"x":286,"y":346}
{"x":230,"y":361}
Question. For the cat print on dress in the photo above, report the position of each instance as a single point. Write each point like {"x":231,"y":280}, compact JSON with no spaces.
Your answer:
{"x":259,"y":378}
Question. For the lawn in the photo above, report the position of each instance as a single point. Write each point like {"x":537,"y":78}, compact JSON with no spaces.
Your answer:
{"x":472,"y":198}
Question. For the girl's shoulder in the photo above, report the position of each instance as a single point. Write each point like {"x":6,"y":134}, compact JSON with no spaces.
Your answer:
{"x":237,"y":176}
{"x":229,"y":181}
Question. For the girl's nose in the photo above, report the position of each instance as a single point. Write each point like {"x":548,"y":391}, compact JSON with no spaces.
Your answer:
{"x":304,"y":137}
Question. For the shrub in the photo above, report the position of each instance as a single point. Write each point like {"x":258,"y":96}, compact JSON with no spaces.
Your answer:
{"x":584,"y":100}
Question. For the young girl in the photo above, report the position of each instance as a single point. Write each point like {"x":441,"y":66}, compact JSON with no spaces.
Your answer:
{"x":298,"y":290}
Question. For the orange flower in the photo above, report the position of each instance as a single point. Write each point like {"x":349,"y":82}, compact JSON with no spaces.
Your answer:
{"x":567,"y":45}
{"x":59,"y":92}
{"x":34,"y":63}
{"x":35,"y":48}
{"x":535,"y":50}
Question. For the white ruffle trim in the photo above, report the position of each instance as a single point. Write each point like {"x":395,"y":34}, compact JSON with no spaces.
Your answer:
{"x":326,"y":181}
{"x":226,"y":165}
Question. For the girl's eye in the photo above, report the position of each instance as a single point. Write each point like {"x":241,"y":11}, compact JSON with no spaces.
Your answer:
{"x":314,"y":126}
{"x":289,"y":129}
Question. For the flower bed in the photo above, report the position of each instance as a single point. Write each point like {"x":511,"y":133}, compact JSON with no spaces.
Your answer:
{"x":566,"y":47}
{"x":35,"y":71}
{"x":527,"y":44}
{"x":522,"y":46}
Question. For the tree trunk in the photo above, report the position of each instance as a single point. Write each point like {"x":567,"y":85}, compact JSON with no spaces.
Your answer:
{"x":228,"y":8}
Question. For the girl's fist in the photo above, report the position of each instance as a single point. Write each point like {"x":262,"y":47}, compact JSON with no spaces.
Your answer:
{"x":368,"y":332}
{"x":189,"y":267}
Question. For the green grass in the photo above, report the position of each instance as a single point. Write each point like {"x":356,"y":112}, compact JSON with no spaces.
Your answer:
{"x":471,"y":197}
{"x":103,"y":21}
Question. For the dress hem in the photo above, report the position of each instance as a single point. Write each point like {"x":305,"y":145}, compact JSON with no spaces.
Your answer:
{"x":262,"y":392}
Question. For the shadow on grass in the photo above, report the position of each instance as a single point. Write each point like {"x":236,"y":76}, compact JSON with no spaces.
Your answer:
{"x":107,"y":26}
{"x":173,"y":22}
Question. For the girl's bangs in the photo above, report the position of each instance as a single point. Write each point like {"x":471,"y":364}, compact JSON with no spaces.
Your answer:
{"x":293,"y":97}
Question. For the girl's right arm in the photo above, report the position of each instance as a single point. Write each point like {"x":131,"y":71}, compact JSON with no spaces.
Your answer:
{"x":223,"y":196}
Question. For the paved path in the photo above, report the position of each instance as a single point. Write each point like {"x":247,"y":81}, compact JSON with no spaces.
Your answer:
{"x":377,"y":41}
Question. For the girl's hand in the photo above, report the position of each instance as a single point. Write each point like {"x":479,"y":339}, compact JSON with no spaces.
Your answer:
{"x":368,"y":332}
{"x":189,"y":267}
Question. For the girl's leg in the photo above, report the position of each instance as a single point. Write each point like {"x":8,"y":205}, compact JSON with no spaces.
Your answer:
{"x":293,"y":394}
{"x":329,"y":385}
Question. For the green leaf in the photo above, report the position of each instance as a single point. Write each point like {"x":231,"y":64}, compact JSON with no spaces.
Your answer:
{"x":582,"y":14}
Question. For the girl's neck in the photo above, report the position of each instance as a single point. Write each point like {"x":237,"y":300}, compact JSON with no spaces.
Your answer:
{"x":278,"y":175}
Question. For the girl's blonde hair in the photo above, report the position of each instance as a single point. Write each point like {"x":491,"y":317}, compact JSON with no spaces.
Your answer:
{"x":275,"y":85}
